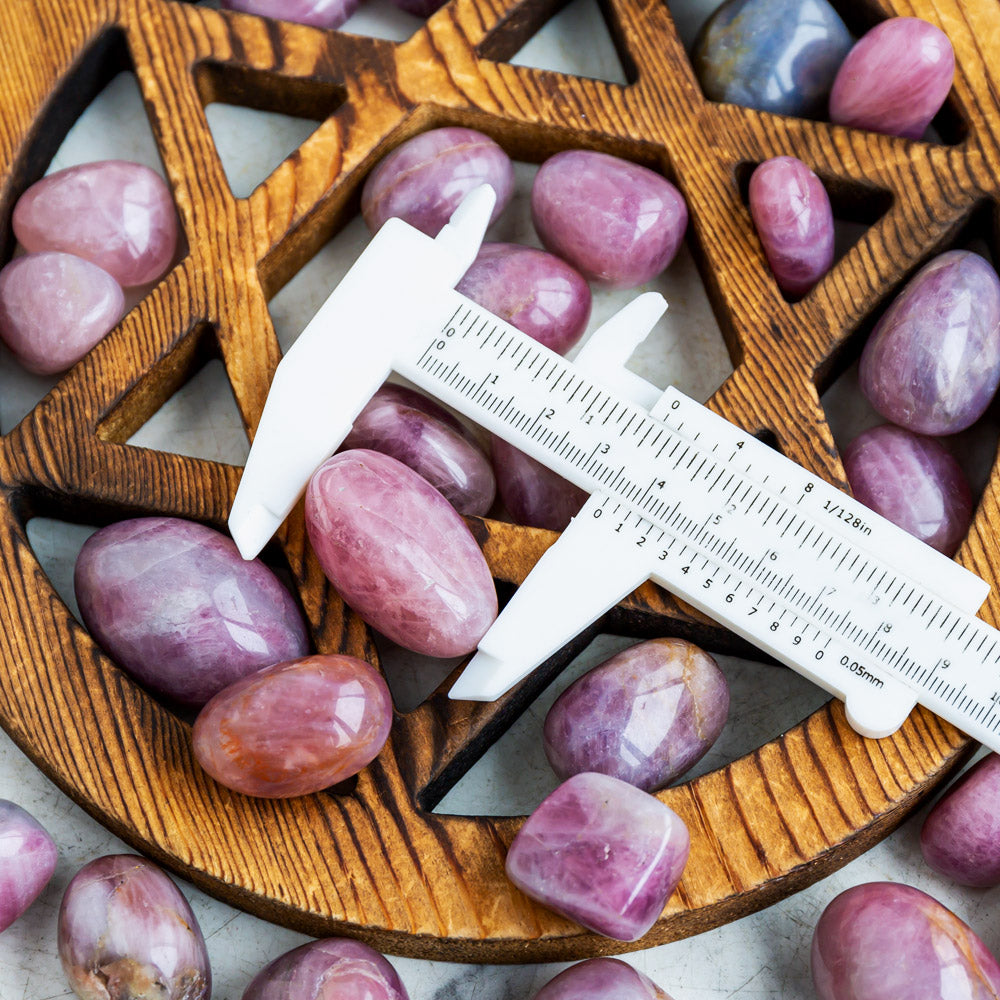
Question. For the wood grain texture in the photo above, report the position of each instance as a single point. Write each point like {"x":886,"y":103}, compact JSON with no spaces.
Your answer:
{"x":375,"y":862}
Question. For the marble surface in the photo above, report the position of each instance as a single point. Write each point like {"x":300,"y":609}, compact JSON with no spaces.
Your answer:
{"x":764,"y":956}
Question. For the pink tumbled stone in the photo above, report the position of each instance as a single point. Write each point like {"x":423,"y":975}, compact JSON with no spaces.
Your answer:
{"x":791,"y":210}
{"x":895,"y":78}
{"x":618,"y":223}
{"x":318,"y":13}
{"x":399,"y":554}
{"x":54,"y":307}
{"x":601,"y":979}
{"x":328,"y":969}
{"x":294,"y":728}
{"x":116,"y":214}
{"x":601,"y":852}
{"x":533,"y":290}
{"x":27,"y":860}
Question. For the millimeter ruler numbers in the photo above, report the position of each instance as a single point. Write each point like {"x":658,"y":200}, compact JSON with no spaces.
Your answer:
{"x":677,"y":495}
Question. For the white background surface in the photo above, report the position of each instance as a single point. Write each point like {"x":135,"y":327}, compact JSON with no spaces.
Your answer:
{"x":765,"y":955}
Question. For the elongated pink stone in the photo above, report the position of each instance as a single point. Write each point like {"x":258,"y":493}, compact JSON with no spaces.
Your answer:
{"x":399,"y":554}
{"x":791,"y":210}
{"x":418,"y":432}
{"x":116,"y":214}
{"x":895,"y":78}
{"x":294,"y":728}
{"x":54,"y":307}
{"x":912,"y":480}
{"x":601,"y":852}
{"x":533,"y":290}
{"x":600,"y":979}
{"x":27,"y":860}
{"x":318,"y":13}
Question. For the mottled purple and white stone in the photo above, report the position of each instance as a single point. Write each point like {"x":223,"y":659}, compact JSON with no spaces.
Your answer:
{"x":28,"y":858}
{"x":127,"y":933}
{"x":618,"y":223}
{"x":601,"y":852}
{"x":54,"y":307}
{"x":601,"y":979}
{"x":645,"y":716}
{"x":416,"y":431}
{"x":423,"y":180}
{"x":792,"y":213}
{"x":894,"y":79}
{"x":887,"y":941}
{"x":961,"y":836}
{"x":531,"y":492}
{"x":399,"y":554}
{"x":294,"y":728}
{"x":932,"y":363}
{"x":116,"y":214}
{"x":328,"y":969}
{"x":318,"y":13}
{"x":533,"y":290}
{"x":175,"y":605}
{"x":912,"y":480}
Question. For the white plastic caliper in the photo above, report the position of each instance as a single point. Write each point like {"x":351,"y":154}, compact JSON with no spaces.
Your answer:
{"x":677,"y":494}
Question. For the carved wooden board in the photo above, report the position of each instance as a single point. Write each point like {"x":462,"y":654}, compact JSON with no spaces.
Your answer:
{"x":376,"y":862}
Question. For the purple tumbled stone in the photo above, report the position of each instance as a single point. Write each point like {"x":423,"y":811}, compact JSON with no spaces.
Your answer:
{"x":791,"y":210}
{"x":912,"y":480}
{"x":399,"y":554}
{"x":328,"y":969}
{"x":894,"y":79}
{"x":174,"y":604}
{"x":54,"y":307}
{"x":644,"y":716}
{"x":27,"y":860}
{"x":601,"y":852}
{"x":618,"y":223}
{"x":961,"y":836}
{"x":533,"y":290}
{"x":601,"y":979}
{"x":418,"y":432}
{"x":318,"y":13}
{"x":932,"y":363}
{"x":423,"y":180}
{"x":116,"y":214}
{"x":294,"y":728}
{"x":886,"y":941}
{"x":533,"y":494}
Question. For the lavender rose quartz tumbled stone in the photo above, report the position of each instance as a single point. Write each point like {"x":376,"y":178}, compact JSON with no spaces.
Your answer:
{"x":887,"y":941}
{"x":116,"y":214}
{"x":328,"y":969}
{"x":423,"y":180}
{"x":932,"y":363}
{"x":961,"y":836}
{"x":54,"y":307}
{"x":600,"y":979}
{"x":533,"y":290}
{"x":912,"y":480}
{"x":317,"y":13}
{"x":294,"y":728}
{"x":27,"y":860}
{"x":416,"y":431}
{"x":601,"y":852}
{"x":618,"y":223}
{"x":174,"y":604}
{"x":792,"y":214}
{"x":644,"y":716}
{"x":399,"y":554}
{"x":895,"y":78}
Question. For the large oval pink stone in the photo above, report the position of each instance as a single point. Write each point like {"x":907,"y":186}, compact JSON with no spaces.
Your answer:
{"x":399,"y":554}
{"x":116,"y":214}
{"x":317,"y":13}
{"x":294,"y":728}
{"x":54,"y":307}
{"x":27,"y":860}
{"x":601,"y":979}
